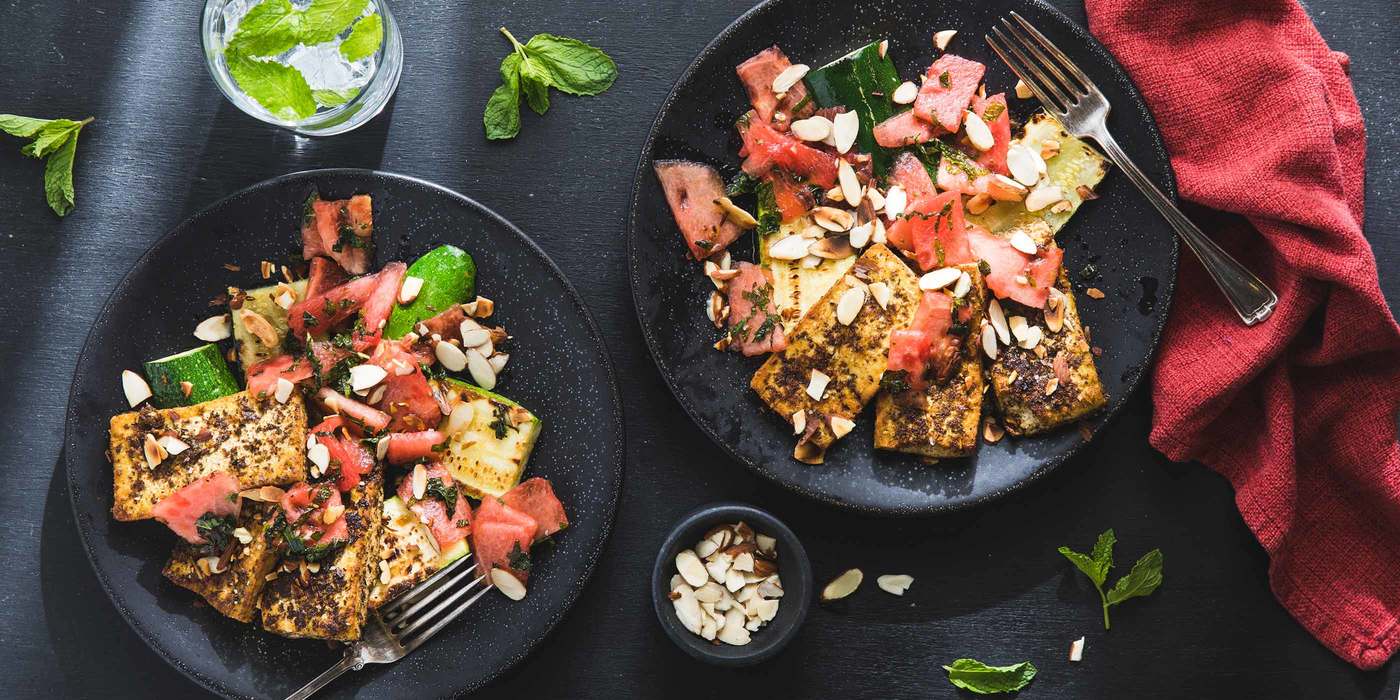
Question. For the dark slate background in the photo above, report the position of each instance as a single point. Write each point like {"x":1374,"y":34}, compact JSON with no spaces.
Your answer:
{"x":988,"y":583}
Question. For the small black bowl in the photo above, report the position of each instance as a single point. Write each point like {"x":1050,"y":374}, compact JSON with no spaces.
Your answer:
{"x":793,"y":566}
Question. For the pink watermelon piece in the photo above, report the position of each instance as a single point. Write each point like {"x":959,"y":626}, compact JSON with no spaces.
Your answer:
{"x":909,"y":172}
{"x":994,"y":158}
{"x":691,"y":190}
{"x":447,"y":529}
{"x":742,"y":310}
{"x":497,"y":531}
{"x":904,"y":129}
{"x":757,"y":74}
{"x":215,"y":494}
{"x":1007,"y":264}
{"x":947,"y":90}
{"x":535,"y":497}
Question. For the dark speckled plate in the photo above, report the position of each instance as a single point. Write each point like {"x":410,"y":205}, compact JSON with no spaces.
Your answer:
{"x":1130,"y":246}
{"x":559,"y":368}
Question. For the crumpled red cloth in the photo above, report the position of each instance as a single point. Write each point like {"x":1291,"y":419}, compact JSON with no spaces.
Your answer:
{"x":1299,"y":413}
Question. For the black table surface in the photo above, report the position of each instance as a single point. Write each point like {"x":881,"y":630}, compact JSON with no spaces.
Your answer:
{"x":988,"y":583}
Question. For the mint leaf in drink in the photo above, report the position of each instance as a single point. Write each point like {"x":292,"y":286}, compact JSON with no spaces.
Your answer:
{"x":1143,"y":579}
{"x":334,"y":98}
{"x":364,"y":39}
{"x":281,"y":90}
{"x":324,"y":20}
{"x":575,"y":67}
{"x":502,"y":116}
{"x":270,"y":28}
{"x":57,"y":141}
{"x":973,"y":675}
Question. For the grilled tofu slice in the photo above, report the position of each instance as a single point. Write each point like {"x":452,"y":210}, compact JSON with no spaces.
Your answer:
{"x":852,"y":356}
{"x":332,"y":602}
{"x":943,"y":419}
{"x":235,"y":590}
{"x":258,"y":441}
{"x":1031,"y":395}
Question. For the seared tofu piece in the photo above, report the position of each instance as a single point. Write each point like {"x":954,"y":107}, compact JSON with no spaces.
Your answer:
{"x":1032,"y":395}
{"x":943,"y":419}
{"x":852,"y":356}
{"x":258,"y":441}
{"x":331,"y":602}
{"x":233,"y":591}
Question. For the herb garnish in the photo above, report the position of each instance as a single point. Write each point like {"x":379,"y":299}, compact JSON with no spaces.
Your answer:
{"x":297,"y":547}
{"x":1143,"y":579}
{"x":993,"y":111}
{"x":55,"y":140}
{"x":446,"y":494}
{"x":501,"y":423}
{"x":945,"y":79}
{"x":545,"y":61}
{"x":215,"y":529}
{"x":308,"y":320}
{"x":770,"y":218}
{"x":894,"y":381}
{"x":518,"y":559}
{"x":740,"y":184}
{"x":973,"y":675}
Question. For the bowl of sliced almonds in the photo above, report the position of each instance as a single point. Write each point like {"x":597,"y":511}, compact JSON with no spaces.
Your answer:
{"x":731,"y":584}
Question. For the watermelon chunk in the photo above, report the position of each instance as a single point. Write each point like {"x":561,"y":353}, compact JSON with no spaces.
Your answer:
{"x":262,"y":377}
{"x":994,"y":158}
{"x":348,"y":455}
{"x":215,"y":494}
{"x":1007,"y":264}
{"x":904,"y":129}
{"x":448,"y":528}
{"x":321,"y":313}
{"x":909,"y":172}
{"x":408,"y":447}
{"x":535,"y":496}
{"x":380,"y":303}
{"x":757,"y":74}
{"x":363,"y":418}
{"x":754,"y":329}
{"x":311,"y":500}
{"x":408,"y":397}
{"x":498,"y":532}
{"x":768,"y":148}
{"x":342,"y":230}
{"x":323,"y":274}
{"x":948,"y":88}
{"x":692,"y":190}
{"x":909,"y":354}
{"x":793,"y":199}
{"x":933,"y":229}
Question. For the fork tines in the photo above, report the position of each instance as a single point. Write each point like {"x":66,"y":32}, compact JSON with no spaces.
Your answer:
{"x":420,"y":613}
{"x":1045,"y":69}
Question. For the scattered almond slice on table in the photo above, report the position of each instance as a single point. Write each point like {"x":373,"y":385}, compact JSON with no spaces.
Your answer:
{"x":727,"y":586}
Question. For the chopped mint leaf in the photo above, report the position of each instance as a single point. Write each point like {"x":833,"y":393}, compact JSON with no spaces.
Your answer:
{"x":364,"y":39}
{"x":575,"y":67}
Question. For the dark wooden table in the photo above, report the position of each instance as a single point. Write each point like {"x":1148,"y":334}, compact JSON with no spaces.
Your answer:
{"x":988,"y":583}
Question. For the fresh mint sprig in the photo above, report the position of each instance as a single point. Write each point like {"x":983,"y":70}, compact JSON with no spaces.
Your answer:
{"x":531,"y":69}
{"x":973,"y":675}
{"x":1142,"y":579}
{"x":56,"y":141}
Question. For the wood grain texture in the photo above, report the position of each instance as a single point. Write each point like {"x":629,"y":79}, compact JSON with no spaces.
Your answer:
{"x":987,"y":584}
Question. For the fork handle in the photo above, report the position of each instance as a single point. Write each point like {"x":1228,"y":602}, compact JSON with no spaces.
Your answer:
{"x":350,"y":661}
{"x":1251,"y":298}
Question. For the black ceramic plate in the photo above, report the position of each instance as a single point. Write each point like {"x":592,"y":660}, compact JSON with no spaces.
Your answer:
{"x":559,"y":368}
{"x":1130,"y":246}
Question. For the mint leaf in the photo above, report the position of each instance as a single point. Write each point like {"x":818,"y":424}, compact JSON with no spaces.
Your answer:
{"x":324,"y":20}
{"x":1103,"y":553}
{"x":502,"y":116}
{"x":23,"y":127}
{"x":280,"y":89}
{"x":58,"y":177}
{"x":270,"y":28}
{"x":575,"y":67}
{"x":364,"y":39}
{"x":334,"y":98}
{"x":51,"y":137}
{"x":534,"y":82}
{"x":1084,"y":563}
{"x":973,"y":675}
{"x":1143,"y":579}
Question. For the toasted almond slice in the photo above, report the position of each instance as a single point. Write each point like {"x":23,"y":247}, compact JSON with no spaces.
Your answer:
{"x":876,"y":197}
{"x":1051,"y":385}
{"x":740,"y":217}
{"x":1076,"y":650}
{"x":409,"y":289}
{"x":992,"y":431}
{"x":135,"y":388}
{"x":1003,"y":189}
{"x":1061,"y":206}
{"x":1022,"y":242}
{"x":508,"y":584}
{"x":213,"y":329}
{"x":283,"y":392}
{"x":733,"y":580}
{"x":691,"y":569}
{"x":793,"y":247}
{"x":844,"y":128}
{"x":1023,"y":91}
{"x":851,"y":189}
{"x":978,"y":203}
{"x":242,"y":535}
{"x":905,"y":93}
{"x":941,"y":39}
{"x":744,"y":562}
{"x":332,"y":513}
{"x":860,"y":235}
{"x":842,"y":585}
{"x":1049,"y":148}
{"x":1022,"y":162}
{"x":705,"y":548}
{"x":963,"y":286}
{"x":1018,"y":327}
{"x":849,"y":305}
{"x":1042,"y":197}
{"x":789,"y":77}
{"x":978,"y":133}
{"x":474,"y":337}
{"x":998,"y":319}
{"x":1094,"y":293}
{"x":816,"y":384}
{"x":1086,"y":193}
{"x":365,"y":377}
{"x":884,"y":47}
{"x":172,"y":445}
{"x":1033,"y":336}
{"x":879,"y":235}
{"x":799,"y":422}
{"x":718,"y":567}
{"x":895,"y":202}
{"x":1055,"y":306}
{"x":319,"y":455}
{"x":260,"y":327}
{"x":832,"y":248}
{"x":154,"y":453}
{"x":833,"y":219}
{"x":834,"y":194}
{"x":733,"y":631}
{"x":420,"y":481}
{"x":939,"y":278}
{"x":460,"y":417}
{"x":881,"y":292}
{"x":896,"y":584}
{"x":989,"y":341}
{"x":840,"y":426}
{"x":812,"y":128}
{"x":481,"y":372}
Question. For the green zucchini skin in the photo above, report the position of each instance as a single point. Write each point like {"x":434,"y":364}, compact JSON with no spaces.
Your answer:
{"x":449,"y":277}
{"x":862,"y":81}
{"x":203,"y":367}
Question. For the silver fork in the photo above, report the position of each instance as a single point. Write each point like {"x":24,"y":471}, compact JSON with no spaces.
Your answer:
{"x":404,"y":623}
{"x":1069,"y":95}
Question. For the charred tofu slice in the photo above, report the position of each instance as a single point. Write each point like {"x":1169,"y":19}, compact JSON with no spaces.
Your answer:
{"x":942,"y":420}
{"x":258,"y":441}
{"x":331,"y":602}
{"x":229,"y":584}
{"x":850,"y":356}
{"x":1053,"y":382}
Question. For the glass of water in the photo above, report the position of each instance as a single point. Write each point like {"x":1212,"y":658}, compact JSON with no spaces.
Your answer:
{"x":317,"y":67}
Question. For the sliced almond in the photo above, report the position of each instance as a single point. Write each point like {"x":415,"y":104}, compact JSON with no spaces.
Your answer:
{"x":1061,"y":206}
{"x":419,"y":481}
{"x":365,"y":377}
{"x":1049,"y":148}
{"x":789,"y":77}
{"x":833,"y":219}
{"x":895,"y":584}
{"x":213,"y":329}
{"x":799,"y":422}
{"x":895,"y":202}
{"x":409,"y":289}
{"x":1032,"y":337}
{"x":992,"y":431}
{"x":1052,"y":385}
{"x":1018,"y":326}
{"x":879,"y":235}
{"x":332,"y":513}
{"x":792,"y":247}
{"x":941,"y":39}
{"x":816,"y":384}
{"x":844,"y":128}
{"x":1076,"y":649}
{"x":978,"y":203}
{"x":283,"y":390}
{"x":861,"y":234}
{"x":832,"y":248}
{"x":691,"y":569}
{"x":705,"y":548}
{"x":962,"y":286}
{"x":319,"y":455}
{"x":458,"y":420}
{"x":172,"y":445}
{"x":884,"y":47}
{"x":881,"y":292}
{"x":812,"y":128}
{"x":876,"y":197}
{"x":905,"y":94}
{"x":989,"y":341}
{"x":978,"y":133}
{"x":939,"y":278}
{"x":849,"y":305}
{"x":1055,"y":306}
{"x":1086,"y":193}
{"x":154,"y":453}
{"x":851,"y":189}
{"x":508,"y":584}
{"x":1023,"y":163}
{"x":286,"y":296}
{"x":733,"y":632}
{"x":840,"y":426}
{"x":998,"y":319}
{"x":1094,"y":293}
{"x":736,"y":214}
{"x":1022,"y":242}
{"x":481,"y":371}
{"x":1042,"y":197}
{"x":260,"y":327}
{"x":834,"y":194}
{"x":1023,"y":91}
{"x":135,"y":388}
{"x":718,"y":567}
{"x":715,"y":309}
{"x":1003,"y":189}
{"x":842,"y":585}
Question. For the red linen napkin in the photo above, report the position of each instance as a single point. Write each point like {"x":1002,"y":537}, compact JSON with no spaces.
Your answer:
{"x":1299,"y":412}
